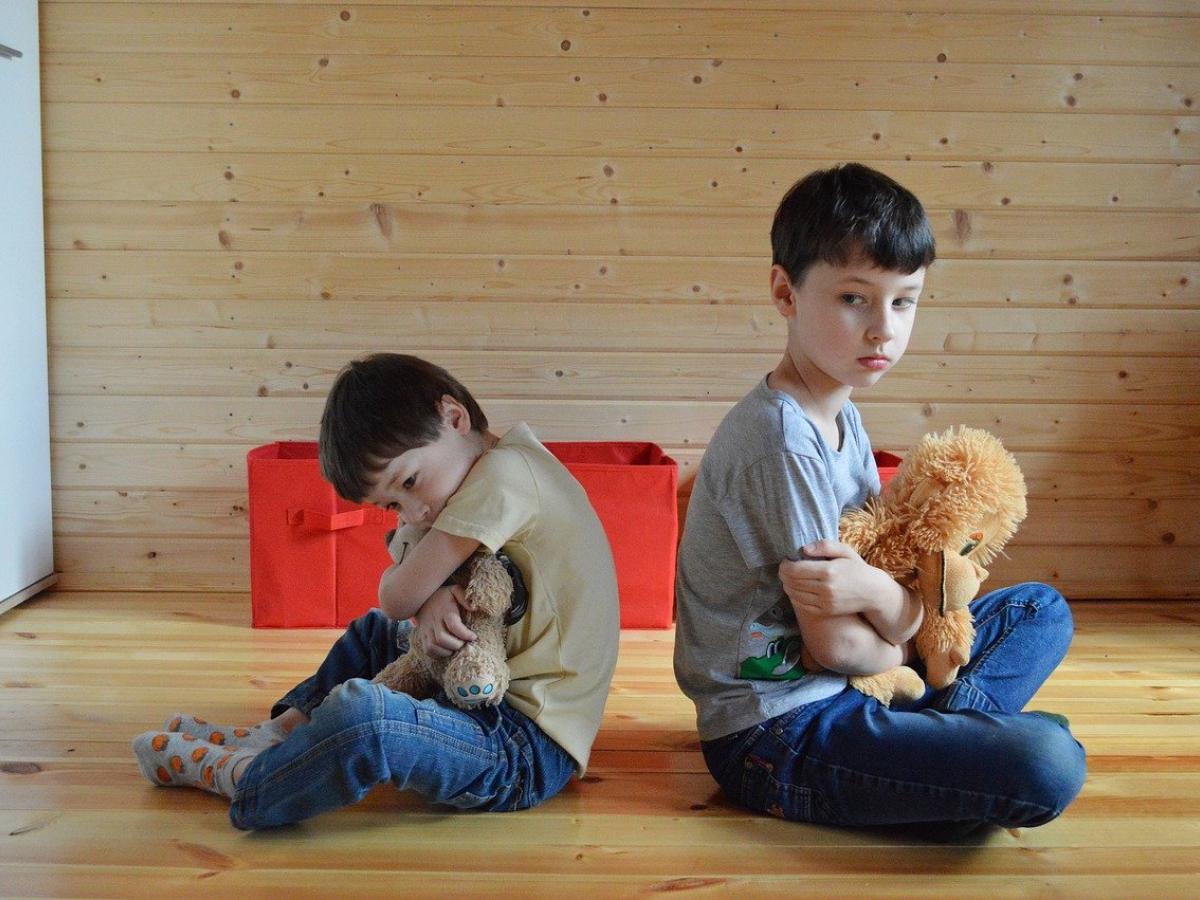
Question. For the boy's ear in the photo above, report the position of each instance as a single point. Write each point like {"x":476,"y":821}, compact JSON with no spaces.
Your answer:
{"x":781,"y":292}
{"x":454,"y":414}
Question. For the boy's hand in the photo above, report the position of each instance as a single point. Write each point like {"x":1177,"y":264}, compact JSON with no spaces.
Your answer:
{"x":833,"y":581}
{"x":440,"y":628}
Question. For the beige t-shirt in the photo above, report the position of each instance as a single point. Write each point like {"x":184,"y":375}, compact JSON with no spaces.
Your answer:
{"x":563,"y":651}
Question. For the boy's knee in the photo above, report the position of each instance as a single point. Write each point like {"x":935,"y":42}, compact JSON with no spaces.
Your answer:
{"x":1042,"y":608}
{"x":1050,"y":603}
{"x":1045,"y":600}
{"x":350,"y":703}
{"x":1048,"y":769}
{"x":1058,"y":625}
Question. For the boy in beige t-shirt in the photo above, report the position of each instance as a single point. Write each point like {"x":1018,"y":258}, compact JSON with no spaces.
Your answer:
{"x":403,"y":434}
{"x":561,"y":654}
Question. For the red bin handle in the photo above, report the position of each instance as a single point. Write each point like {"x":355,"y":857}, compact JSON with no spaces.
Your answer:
{"x":319,"y":521}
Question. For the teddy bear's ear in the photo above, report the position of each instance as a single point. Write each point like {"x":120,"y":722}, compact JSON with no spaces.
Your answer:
{"x":400,"y":541}
{"x":948,"y":580}
{"x":974,"y":539}
{"x":931,"y":576}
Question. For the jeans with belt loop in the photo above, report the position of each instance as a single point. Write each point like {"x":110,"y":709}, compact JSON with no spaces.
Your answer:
{"x":362,"y":734}
{"x":962,"y":756}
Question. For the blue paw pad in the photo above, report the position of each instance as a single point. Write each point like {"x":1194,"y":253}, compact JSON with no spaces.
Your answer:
{"x":476,"y":693}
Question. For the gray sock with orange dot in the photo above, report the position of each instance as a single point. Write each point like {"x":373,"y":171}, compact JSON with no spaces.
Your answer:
{"x":260,"y":736}
{"x":171,"y":759}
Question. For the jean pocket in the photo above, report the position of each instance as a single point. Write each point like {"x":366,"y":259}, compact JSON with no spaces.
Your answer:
{"x":722,"y":755}
{"x":765,"y":788}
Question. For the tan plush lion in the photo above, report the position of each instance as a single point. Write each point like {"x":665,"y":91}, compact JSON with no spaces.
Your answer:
{"x":954,"y":502}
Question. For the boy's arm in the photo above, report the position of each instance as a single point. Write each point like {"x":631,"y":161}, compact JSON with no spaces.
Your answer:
{"x":896,"y":621}
{"x":776,"y":504}
{"x":848,"y":644}
{"x":404,"y":587}
{"x":834,"y":581}
{"x":855,"y":619}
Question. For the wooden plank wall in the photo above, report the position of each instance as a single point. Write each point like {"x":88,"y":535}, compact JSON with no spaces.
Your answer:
{"x":569,"y":207}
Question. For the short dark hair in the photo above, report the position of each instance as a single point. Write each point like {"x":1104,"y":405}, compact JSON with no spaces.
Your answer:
{"x":379,"y":407}
{"x":836,"y":215}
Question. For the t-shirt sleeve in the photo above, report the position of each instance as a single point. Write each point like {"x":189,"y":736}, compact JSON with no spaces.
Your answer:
{"x":778,"y":504}
{"x":496,"y":503}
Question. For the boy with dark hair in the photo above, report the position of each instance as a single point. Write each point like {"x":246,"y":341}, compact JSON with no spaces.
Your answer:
{"x":403,"y":434}
{"x":762,"y":576}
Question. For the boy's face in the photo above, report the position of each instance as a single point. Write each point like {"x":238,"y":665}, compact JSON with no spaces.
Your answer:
{"x":417,"y":483}
{"x":847,"y":325}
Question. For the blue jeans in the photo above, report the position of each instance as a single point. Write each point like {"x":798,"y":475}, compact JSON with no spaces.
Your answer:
{"x":961,"y":757}
{"x":362,"y":734}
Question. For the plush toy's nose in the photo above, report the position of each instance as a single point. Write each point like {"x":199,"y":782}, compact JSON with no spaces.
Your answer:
{"x":980,"y":572}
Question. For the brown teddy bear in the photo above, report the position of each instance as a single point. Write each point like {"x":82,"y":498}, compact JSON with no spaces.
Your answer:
{"x":954,"y":502}
{"x":477,"y":673}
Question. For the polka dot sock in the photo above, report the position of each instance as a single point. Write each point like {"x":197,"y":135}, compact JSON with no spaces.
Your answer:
{"x":259,"y":736}
{"x":181,"y":760}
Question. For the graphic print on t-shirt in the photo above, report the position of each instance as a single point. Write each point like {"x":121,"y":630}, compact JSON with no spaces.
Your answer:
{"x":770,"y":647}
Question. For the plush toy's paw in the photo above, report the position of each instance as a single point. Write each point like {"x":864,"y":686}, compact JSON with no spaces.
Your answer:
{"x":900,"y":683}
{"x":477,"y":675}
{"x":908,"y":686}
{"x":941,"y":670}
{"x":479,"y":692}
{"x":877,"y":686}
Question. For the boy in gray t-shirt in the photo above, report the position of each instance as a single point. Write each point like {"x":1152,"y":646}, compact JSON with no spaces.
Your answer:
{"x":771,"y":606}
{"x":769,"y":485}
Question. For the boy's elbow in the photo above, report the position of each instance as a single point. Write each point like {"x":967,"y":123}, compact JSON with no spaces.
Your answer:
{"x":847,"y":652}
{"x":384,"y":598}
{"x":389,"y":609}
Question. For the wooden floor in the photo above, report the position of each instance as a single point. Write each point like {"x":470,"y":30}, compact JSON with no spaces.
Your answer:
{"x":83,"y":673}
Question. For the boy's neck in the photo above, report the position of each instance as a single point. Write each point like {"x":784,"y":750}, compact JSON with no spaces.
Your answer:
{"x":483,"y":441}
{"x":820,"y":398}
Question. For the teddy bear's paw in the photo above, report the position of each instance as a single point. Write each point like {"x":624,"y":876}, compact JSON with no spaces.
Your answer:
{"x":881,"y":686}
{"x":941,"y":670}
{"x":477,"y":692}
{"x":899,"y":684}
{"x":909,"y":687}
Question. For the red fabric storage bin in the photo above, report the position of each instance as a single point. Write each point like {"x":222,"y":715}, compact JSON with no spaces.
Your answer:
{"x":315,"y":559}
{"x":632,"y":485}
{"x":886,"y":463}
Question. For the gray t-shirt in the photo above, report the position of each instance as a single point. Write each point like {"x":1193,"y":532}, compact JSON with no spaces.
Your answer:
{"x":768,"y":484}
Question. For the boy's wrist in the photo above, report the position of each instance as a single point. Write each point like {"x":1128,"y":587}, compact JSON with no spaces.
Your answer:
{"x":897,"y":613}
{"x":886,"y":598}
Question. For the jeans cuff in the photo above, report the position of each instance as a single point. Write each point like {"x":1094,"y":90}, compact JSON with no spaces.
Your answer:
{"x":294,"y":699}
